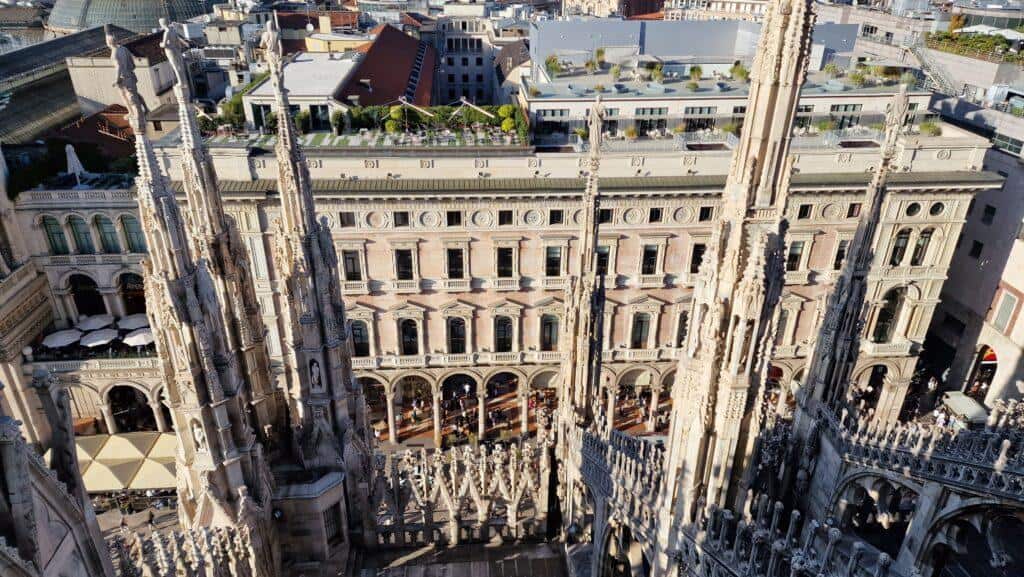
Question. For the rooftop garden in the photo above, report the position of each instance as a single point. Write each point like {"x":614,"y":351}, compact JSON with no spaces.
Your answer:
{"x":990,"y":47}
{"x":865,"y":75}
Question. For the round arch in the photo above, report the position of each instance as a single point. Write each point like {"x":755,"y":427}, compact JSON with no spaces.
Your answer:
{"x":85,"y":293}
{"x":129,"y":408}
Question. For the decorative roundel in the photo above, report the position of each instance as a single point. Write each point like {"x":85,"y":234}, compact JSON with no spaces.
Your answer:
{"x":482,"y":218}
{"x":430,"y":219}
{"x":943,"y":154}
{"x":913,"y":209}
{"x":831,"y":211}
{"x":377,"y":219}
{"x":577,"y":216}
{"x":633,"y":216}
{"x":683,"y":214}
{"x":532,"y":218}
{"x":937,"y":209}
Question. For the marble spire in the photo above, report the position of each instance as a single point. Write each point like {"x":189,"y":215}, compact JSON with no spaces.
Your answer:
{"x":216,"y":239}
{"x":328,"y":410}
{"x":223,"y":478}
{"x":722,"y":368}
{"x":839,"y":334}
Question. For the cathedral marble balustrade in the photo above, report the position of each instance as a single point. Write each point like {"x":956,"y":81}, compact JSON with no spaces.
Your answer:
{"x":767,"y":542}
{"x":446,"y":497}
{"x":989,"y":461}
{"x":509,"y":358}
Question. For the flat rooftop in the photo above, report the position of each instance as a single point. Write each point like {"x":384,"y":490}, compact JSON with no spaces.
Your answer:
{"x":586,"y":86}
{"x":312,"y":74}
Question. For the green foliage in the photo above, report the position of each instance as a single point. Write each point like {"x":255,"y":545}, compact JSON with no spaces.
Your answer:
{"x":207,"y":125}
{"x":692,"y":86}
{"x":879,"y":71}
{"x":877,"y":126}
{"x":857,"y":78}
{"x":391,"y":126}
{"x":534,"y":91}
{"x":233,"y":109}
{"x":679,"y":128}
{"x":739,"y":72}
{"x":972,"y":45}
{"x":732,"y":128}
{"x":599,"y":88}
{"x":552,"y":65}
{"x":657,"y":74}
{"x":599,"y":55}
{"x":631,"y":133}
{"x":615,"y":71}
{"x":506,"y":111}
{"x":930,"y":128}
{"x":338,"y":121}
{"x":270,"y":122}
{"x":508,"y":125}
{"x":824,"y":125}
{"x":396,"y":113}
{"x":696,"y":73}
{"x":590,"y":66}
{"x":581,"y":132}
{"x":302,"y":121}
{"x":832,"y":69}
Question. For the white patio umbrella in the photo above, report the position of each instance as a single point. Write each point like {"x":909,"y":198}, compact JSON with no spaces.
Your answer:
{"x":62,"y":338}
{"x":138,"y":338}
{"x":132,"y":322}
{"x":100,"y":337}
{"x":95,"y":322}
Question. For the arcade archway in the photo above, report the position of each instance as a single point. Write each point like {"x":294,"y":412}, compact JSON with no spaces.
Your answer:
{"x":130,"y":410}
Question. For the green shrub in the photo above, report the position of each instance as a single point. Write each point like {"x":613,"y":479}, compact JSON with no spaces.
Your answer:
{"x":857,"y":78}
{"x":930,"y":128}
{"x":391,"y":126}
{"x":599,"y":88}
{"x":731,"y":128}
{"x":599,"y":55}
{"x":590,"y":66}
{"x":270,"y":122}
{"x":631,"y":133}
{"x":615,"y":72}
{"x":824,"y":125}
{"x":508,"y":125}
{"x":739,"y":72}
{"x":552,"y":65}
{"x":832,"y":69}
{"x":692,"y":86}
{"x":696,"y":73}
{"x":506,"y":111}
{"x":302,"y":121}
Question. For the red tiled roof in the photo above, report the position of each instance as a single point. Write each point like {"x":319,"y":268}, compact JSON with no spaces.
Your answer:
{"x":387,"y":66}
{"x":413,"y":19}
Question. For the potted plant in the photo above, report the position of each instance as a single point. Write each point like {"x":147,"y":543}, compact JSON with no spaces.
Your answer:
{"x":631,"y":133}
{"x":739,"y":72}
{"x":930,"y":128}
{"x":553,"y":66}
{"x":590,"y":66}
{"x":615,"y":71}
{"x":599,"y":55}
{"x":832,"y":69}
{"x":696,"y":73}
{"x":692,"y":86}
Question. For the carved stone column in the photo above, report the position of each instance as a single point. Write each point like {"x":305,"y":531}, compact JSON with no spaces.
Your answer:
{"x":481,"y":401}
{"x":524,"y":400}
{"x":437,"y":415}
{"x":652,"y":418}
{"x":112,"y":300}
{"x":610,"y":391}
{"x":158,"y":414}
{"x":392,"y":431}
{"x":108,"y":418}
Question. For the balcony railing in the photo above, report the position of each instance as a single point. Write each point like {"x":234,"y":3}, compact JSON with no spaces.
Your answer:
{"x":652,"y":280}
{"x":896,"y":348}
{"x":355,"y":287}
{"x":505,"y":283}
{"x":456,"y":284}
{"x":406,"y":286}
{"x":553,"y":282}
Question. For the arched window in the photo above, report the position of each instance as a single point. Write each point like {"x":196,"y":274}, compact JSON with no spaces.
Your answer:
{"x":410,"y":337}
{"x":133,"y":293}
{"x":549,"y":333}
{"x":108,"y":235}
{"x":86,"y":295}
{"x":899,"y":249}
{"x":502,"y":335}
{"x":921,"y":247}
{"x":133,"y":234}
{"x":889,"y":315}
{"x":360,"y":339}
{"x":641,"y":330}
{"x":456,"y":335}
{"x":83,"y":240}
{"x":55,"y":236}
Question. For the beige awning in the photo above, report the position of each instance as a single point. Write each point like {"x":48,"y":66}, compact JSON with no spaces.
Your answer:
{"x":154,"y":474}
{"x":137,"y":461}
{"x":107,"y":476}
